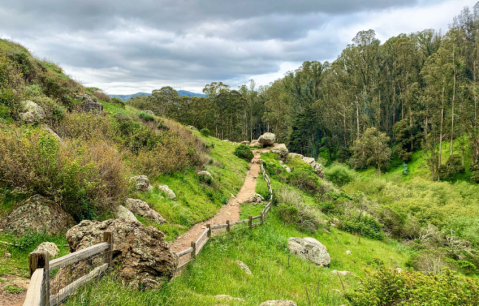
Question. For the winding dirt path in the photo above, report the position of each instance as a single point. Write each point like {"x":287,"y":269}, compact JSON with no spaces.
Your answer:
{"x":230,"y":211}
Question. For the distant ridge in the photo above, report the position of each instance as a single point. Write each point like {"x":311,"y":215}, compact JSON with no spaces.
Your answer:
{"x":180,"y":92}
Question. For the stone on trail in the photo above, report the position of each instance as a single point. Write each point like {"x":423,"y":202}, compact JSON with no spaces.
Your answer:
{"x":244,"y":267}
{"x":141,"y":181}
{"x":50,"y":247}
{"x":267,"y":139}
{"x":122,"y":213}
{"x":278,"y":303}
{"x":141,"y":256}
{"x":309,"y":249}
{"x":37,"y":214}
{"x":139,"y":207}
{"x":168,"y":191}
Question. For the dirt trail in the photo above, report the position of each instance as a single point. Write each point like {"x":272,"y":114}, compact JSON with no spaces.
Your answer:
{"x":230,"y":211}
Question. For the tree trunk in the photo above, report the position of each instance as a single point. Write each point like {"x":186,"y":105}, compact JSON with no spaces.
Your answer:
{"x":357,"y":114}
{"x":440,"y":133}
{"x":453,"y":98}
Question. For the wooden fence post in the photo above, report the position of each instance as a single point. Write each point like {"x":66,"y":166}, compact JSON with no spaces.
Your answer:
{"x":108,"y":237}
{"x":40,"y":260}
{"x":250,"y":221}
{"x":193,"y":254}
{"x":262,"y":218}
{"x":228,"y":228}
{"x":209,"y":230}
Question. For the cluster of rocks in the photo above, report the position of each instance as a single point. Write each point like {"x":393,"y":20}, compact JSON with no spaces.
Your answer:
{"x":310,"y":161}
{"x":141,"y":183}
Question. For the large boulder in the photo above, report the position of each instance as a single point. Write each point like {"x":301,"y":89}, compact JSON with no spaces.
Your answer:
{"x":278,"y":303}
{"x":141,"y":256}
{"x":90,"y":105}
{"x":139,"y":207}
{"x":37,"y":214}
{"x":122,"y":213}
{"x":267,"y":139}
{"x":309,"y":249}
{"x":33,"y":113}
{"x":50,"y":247}
{"x":141,"y":181}
{"x":165,"y":189}
{"x":280,"y":149}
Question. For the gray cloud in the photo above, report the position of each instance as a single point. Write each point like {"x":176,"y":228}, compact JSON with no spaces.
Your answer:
{"x":123,"y":45}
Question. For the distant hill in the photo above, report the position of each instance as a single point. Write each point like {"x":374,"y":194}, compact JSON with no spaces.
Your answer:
{"x":180,"y":92}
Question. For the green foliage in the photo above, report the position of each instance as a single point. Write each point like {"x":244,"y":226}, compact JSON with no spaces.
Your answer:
{"x":371,"y":150}
{"x":405,"y":170}
{"x":12,"y":289}
{"x":387,"y":287}
{"x":452,"y":167}
{"x":288,"y":214}
{"x":340,"y":174}
{"x":363,"y":225}
{"x":205,"y":132}
{"x":146,"y":117}
{"x":118,"y":102}
{"x":305,"y":180}
{"x":475,"y":172}
{"x":244,"y":152}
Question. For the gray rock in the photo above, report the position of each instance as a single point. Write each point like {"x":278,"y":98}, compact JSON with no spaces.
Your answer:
{"x":139,"y":207}
{"x":318,"y":169}
{"x":205,"y":176}
{"x":33,"y":113}
{"x":91,"y":105}
{"x":141,"y":256}
{"x":294,"y":155}
{"x":149,"y":112}
{"x":287,"y":168}
{"x":309,"y":249}
{"x":256,"y":198}
{"x":308,"y":160}
{"x":192,"y":128}
{"x":245,"y":142}
{"x":167,"y":191}
{"x":280,"y":149}
{"x":244,"y":267}
{"x":37,"y":214}
{"x":255,"y":143}
{"x":278,"y":303}
{"x":267,"y":139}
{"x":50,"y":247}
{"x":7,"y":255}
{"x":141,"y":181}
{"x":124,"y":214}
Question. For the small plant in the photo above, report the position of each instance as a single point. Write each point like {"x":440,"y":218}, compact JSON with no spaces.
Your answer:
{"x":405,"y":170}
{"x":288,"y":214}
{"x":146,"y":117}
{"x":10,"y":289}
{"x":244,"y":152}
{"x":340,"y":174}
{"x":205,"y":132}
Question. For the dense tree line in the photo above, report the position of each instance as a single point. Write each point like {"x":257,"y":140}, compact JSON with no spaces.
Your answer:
{"x":419,"y":90}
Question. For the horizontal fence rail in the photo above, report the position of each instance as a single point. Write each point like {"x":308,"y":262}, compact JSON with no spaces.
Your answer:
{"x":197,"y":246}
{"x":38,"y":293}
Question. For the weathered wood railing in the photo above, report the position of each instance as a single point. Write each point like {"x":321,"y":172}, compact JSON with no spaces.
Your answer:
{"x":197,"y":246}
{"x":38,"y":293}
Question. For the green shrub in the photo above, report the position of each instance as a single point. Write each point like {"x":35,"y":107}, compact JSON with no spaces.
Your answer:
{"x":474,"y":168}
{"x":205,"y":132}
{"x":288,"y":214}
{"x":366,"y":226}
{"x":389,"y":287}
{"x":146,"y":117}
{"x":340,"y":174}
{"x":304,"y":180}
{"x":244,"y":152}
{"x":118,"y":102}
{"x":452,"y":167}
{"x":405,"y":170}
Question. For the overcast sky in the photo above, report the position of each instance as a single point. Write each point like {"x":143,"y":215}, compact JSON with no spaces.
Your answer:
{"x":130,"y":46}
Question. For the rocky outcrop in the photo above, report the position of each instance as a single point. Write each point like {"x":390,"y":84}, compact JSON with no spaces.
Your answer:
{"x":205,"y":176}
{"x":122,"y":213}
{"x":278,"y":303}
{"x":141,"y":181}
{"x":309,"y":249}
{"x":90,"y":105}
{"x":317,"y":168}
{"x":294,"y":155}
{"x":256,"y":198}
{"x":245,"y":142}
{"x":244,"y":267}
{"x":167,"y":191}
{"x":50,"y":247}
{"x":37,"y":214}
{"x":281,"y":150}
{"x":267,"y":139}
{"x":141,"y":208}
{"x":33,"y":113}
{"x":141,"y":256}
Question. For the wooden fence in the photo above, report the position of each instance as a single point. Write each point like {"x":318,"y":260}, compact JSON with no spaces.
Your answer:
{"x":197,"y":246}
{"x":38,"y":293}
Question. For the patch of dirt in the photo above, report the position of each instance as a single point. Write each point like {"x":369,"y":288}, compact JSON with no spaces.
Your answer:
{"x":12,"y":299}
{"x":230,"y":211}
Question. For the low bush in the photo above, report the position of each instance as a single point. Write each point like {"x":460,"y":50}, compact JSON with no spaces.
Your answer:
{"x":146,"y":117}
{"x":288,"y":214}
{"x":340,"y":174}
{"x":389,"y":287}
{"x":205,"y":132}
{"x":244,"y":152}
{"x":304,"y":180}
{"x":118,"y":102}
{"x":452,"y":167}
{"x":100,"y":95}
{"x":363,"y":225}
